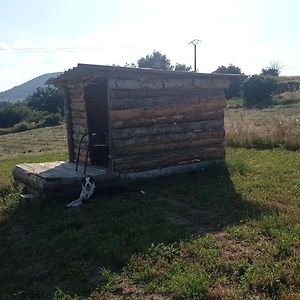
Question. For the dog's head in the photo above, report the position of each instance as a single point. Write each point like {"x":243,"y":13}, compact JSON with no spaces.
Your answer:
{"x":88,"y":183}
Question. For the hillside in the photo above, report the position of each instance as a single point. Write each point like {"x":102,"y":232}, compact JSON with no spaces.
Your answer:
{"x":20,"y":92}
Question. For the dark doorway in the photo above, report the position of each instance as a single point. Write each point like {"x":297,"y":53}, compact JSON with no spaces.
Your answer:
{"x":97,"y":114}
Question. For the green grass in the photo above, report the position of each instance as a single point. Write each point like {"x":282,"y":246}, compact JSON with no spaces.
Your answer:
{"x":228,"y":232}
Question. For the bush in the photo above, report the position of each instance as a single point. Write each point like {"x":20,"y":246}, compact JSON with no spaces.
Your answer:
{"x":12,"y":114}
{"x":22,"y":126}
{"x":51,"y":120}
{"x":258,"y":88}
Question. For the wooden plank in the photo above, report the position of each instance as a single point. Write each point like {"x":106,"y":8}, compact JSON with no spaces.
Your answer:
{"x":130,"y":114}
{"x":165,"y":92}
{"x":168,"y":158}
{"x":205,"y":95}
{"x":200,"y":126}
{"x":170,"y":119}
{"x":167,"y":138}
{"x":120,"y":150}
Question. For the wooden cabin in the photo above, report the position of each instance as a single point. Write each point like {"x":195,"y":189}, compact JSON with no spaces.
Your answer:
{"x":144,"y":122}
{"x":149,"y":120}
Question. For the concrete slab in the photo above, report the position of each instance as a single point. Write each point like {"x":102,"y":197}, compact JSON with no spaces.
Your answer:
{"x":60,"y":177}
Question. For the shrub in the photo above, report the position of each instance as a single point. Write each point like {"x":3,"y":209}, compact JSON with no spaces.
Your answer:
{"x":257,"y":88}
{"x":51,"y":120}
{"x":12,"y":114}
{"x":22,"y":126}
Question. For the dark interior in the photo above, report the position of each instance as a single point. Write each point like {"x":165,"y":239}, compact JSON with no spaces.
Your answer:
{"x":97,"y":113}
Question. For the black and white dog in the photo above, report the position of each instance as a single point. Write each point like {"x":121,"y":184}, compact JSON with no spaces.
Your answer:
{"x":88,"y":188}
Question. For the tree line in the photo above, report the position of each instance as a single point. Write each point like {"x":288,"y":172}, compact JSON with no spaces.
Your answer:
{"x":45,"y":107}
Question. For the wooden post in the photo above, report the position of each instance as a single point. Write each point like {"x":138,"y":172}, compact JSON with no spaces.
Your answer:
{"x":69,"y":125}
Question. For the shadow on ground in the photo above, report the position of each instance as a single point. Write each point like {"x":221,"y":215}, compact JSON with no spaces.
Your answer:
{"x":49,"y":247}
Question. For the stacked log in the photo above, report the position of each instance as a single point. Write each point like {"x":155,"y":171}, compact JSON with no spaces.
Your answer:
{"x":157,"y":123}
{"x":78,"y":117}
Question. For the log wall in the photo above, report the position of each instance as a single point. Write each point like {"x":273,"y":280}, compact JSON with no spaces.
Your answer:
{"x":78,"y":116}
{"x":157,"y":123}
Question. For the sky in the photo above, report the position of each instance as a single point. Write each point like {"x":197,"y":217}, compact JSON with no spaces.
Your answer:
{"x":39,"y":36}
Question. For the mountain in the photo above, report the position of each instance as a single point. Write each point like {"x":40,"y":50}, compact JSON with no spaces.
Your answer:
{"x":20,"y":92}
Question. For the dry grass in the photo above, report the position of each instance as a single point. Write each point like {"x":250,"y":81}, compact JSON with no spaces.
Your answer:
{"x":33,"y":141}
{"x":276,"y":126}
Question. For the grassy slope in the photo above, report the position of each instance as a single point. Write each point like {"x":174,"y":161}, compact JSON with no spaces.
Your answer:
{"x":230,"y":231}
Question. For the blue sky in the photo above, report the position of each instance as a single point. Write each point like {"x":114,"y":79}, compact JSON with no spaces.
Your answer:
{"x":38,"y":37}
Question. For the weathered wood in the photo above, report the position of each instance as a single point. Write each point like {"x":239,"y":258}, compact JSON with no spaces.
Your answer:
{"x":200,"y":126}
{"x":79,"y":106}
{"x":167,"y":158}
{"x":168,"y":83}
{"x":150,"y":93}
{"x":167,"y":138}
{"x":68,"y":124}
{"x":120,"y":150}
{"x":80,"y":121}
{"x":170,"y":119}
{"x":79,"y":129}
{"x":177,"y":169}
{"x":125,"y":115}
{"x":155,"y":102}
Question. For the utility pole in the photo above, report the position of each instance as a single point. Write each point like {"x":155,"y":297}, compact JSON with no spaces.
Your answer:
{"x":195,"y":42}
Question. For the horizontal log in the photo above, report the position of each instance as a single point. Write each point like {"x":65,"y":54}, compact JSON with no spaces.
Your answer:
{"x":167,"y":158}
{"x":130,"y":114}
{"x":174,"y":83}
{"x":120,"y":150}
{"x":79,"y":129}
{"x":156,"y":129}
{"x":78,"y":135}
{"x":167,"y":138}
{"x":154,"y":102}
{"x":170,"y":119}
{"x":165,"y":92}
{"x":78,"y":106}
{"x":79,"y":121}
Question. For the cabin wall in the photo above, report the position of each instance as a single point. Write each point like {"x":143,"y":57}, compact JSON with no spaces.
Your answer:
{"x":157,"y":123}
{"x":78,"y":116}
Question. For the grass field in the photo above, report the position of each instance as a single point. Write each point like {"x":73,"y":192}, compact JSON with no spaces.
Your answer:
{"x":277,"y":125}
{"x":228,"y":232}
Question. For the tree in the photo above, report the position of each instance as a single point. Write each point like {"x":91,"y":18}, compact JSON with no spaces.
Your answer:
{"x":231,"y":69}
{"x":11,"y":114}
{"x":234,"y":89}
{"x":182,"y":67}
{"x":156,"y":60}
{"x":258,"y":88}
{"x":272,"y":70}
{"x":48,"y":99}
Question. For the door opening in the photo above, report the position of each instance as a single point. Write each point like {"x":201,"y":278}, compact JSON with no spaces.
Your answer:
{"x":97,"y":115}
